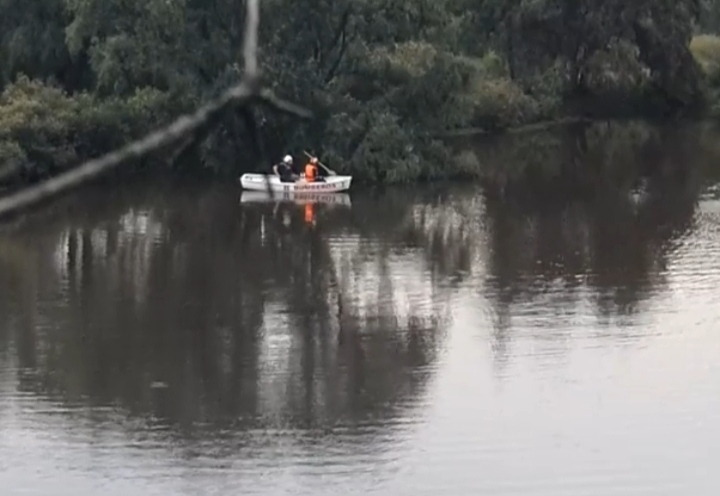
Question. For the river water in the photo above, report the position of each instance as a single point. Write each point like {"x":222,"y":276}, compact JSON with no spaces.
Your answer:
{"x":517,"y":338}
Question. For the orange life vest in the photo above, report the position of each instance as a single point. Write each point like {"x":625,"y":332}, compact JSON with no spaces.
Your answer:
{"x":310,"y":172}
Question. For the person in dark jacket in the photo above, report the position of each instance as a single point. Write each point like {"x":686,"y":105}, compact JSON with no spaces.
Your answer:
{"x":284,"y":170}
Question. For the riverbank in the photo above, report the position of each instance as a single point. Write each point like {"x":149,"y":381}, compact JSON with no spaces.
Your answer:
{"x":63,"y":130}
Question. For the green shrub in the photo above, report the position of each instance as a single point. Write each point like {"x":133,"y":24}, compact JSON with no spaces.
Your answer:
{"x":617,"y":70}
{"x":385,"y":153}
{"x":706,"y":50}
{"x":390,"y":152}
{"x":48,"y":131}
{"x":429,"y":100}
{"x":41,"y":120}
{"x":490,"y":65}
{"x":107,"y":124}
{"x":403,"y":61}
{"x":467,"y":163}
{"x":499,"y":104}
{"x":437,"y":90}
{"x":13,"y":160}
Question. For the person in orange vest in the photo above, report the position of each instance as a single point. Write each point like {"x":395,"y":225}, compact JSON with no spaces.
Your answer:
{"x":311,"y":170}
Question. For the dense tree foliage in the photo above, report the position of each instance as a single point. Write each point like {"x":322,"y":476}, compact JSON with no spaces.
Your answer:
{"x":382,"y":76}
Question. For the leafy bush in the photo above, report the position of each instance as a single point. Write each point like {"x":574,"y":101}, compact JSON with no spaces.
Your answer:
{"x":384,"y":138}
{"x":13,"y":159}
{"x":499,"y":104}
{"x":706,"y":50}
{"x":466,"y":163}
{"x":385,"y":153}
{"x":412,"y":59}
{"x":39,"y":120}
{"x":617,"y":70}
{"x":438,"y":90}
{"x":490,"y":65}
{"x":47,"y":131}
{"x":110,"y":123}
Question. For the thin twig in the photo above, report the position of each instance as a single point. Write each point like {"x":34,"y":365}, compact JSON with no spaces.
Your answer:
{"x":268,"y":97}
{"x":250,"y":43}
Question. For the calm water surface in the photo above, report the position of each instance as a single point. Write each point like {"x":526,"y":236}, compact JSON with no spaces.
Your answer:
{"x":174,"y":339}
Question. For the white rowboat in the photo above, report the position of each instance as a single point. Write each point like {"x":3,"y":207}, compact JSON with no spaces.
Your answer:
{"x":259,"y":182}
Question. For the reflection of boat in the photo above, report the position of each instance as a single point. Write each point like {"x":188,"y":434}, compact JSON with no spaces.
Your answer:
{"x":259,"y":182}
{"x":298,"y":198}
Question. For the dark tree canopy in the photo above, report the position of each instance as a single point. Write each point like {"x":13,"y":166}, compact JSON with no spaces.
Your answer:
{"x":379,"y":75}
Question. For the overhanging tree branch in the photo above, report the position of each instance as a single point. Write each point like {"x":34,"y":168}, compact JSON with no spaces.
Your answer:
{"x":183,"y":130}
{"x":340,"y":38}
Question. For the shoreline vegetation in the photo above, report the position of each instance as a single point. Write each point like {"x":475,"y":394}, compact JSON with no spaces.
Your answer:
{"x":391,"y":83}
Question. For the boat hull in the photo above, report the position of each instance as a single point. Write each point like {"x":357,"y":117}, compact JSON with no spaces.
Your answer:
{"x":248,"y":197}
{"x":260,"y":182}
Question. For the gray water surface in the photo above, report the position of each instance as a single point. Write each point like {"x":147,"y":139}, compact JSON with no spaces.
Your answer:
{"x":170,"y":339}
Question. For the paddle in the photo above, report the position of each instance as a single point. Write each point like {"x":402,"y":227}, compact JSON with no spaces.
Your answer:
{"x":328,"y":169}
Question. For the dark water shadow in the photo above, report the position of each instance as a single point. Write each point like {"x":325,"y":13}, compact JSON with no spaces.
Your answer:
{"x":179,"y":306}
{"x":600,"y":225}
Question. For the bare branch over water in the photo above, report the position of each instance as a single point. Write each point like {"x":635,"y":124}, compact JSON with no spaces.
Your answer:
{"x":183,"y":130}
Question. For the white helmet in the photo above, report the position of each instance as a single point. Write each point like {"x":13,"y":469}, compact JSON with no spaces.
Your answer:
{"x":287,"y":159}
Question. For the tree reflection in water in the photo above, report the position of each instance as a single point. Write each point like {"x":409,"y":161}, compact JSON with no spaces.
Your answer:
{"x":180,"y":304}
{"x":597,"y":227}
